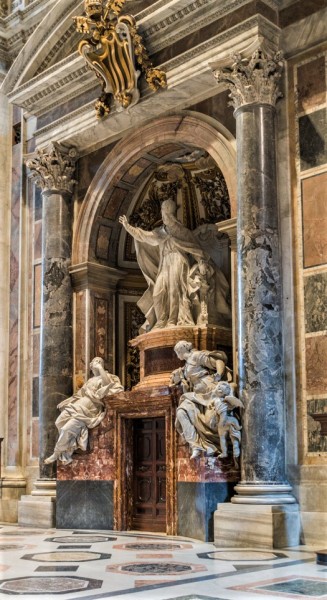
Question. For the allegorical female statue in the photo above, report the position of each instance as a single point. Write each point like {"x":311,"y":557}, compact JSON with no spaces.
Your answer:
{"x":196,"y":416}
{"x":83,"y":411}
{"x":179,"y":273}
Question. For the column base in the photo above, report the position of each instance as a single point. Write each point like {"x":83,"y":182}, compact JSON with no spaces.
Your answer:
{"x":263,"y":494}
{"x":11,"y":490}
{"x":39,"y":509}
{"x":257,"y":526}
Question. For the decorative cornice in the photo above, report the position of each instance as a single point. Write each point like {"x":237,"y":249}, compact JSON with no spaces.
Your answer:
{"x":257,"y":21}
{"x":94,"y":276}
{"x":52,"y":168}
{"x":253,"y":80}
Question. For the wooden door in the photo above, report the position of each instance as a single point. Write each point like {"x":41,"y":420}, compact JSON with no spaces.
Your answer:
{"x":149,"y":475}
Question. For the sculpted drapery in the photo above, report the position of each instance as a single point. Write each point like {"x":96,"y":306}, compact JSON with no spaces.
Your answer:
{"x":178,"y":272}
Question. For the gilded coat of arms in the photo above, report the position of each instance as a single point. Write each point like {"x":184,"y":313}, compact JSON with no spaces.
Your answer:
{"x":114,"y":50}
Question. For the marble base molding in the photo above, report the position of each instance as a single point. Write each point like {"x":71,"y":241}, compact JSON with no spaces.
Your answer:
{"x":265,"y":526}
{"x":39,"y":508}
{"x":11,"y":491}
{"x":37,"y":511}
{"x":263,"y":494}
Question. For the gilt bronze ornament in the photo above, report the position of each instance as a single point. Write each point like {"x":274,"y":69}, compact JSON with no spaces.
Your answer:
{"x":114,"y":50}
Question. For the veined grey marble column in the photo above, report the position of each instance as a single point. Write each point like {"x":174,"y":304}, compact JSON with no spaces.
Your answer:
{"x":254,"y":91}
{"x":52,"y":169}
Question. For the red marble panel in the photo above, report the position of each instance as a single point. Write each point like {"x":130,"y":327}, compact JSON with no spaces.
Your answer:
{"x":316,"y":364}
{"x":204,"y":469}
{"x":314,"y":203}
{"x":311,"y":84}
{"x":98,"y":462}
{"x":101,"y":327}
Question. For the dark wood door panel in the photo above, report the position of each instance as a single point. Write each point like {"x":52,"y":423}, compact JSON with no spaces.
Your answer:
{"x":149,"y":475}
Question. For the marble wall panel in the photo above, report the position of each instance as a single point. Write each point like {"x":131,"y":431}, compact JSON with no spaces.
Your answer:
{"x":38,"y":240}
{"x":36,"y":352}
{"x":101,"y":324}
{"x":219,"y":108}
{"x":311,"y":85}
{"x":85,"y":505}
{"x":114,"y":203}
{"x":103,"y":241}
{"x":35,"y":397}
{"x":37,"y":293}
{"x":204,"y":469}
{"x":136,"y":170}
{"x":13,"y":415}
{"x":35,"y":438}
{"x":316,"y":364}
{"x":314,"y":209}
{"x":316,"y":442}
{"x":313,"y":139}
{"x":80,"y":332}
{"x":315,"y":302}
{"x":87,"y":167}
{"x":299,"y":10}
{"x":38,"y":202}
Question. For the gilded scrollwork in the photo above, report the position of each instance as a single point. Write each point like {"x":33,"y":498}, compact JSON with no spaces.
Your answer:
{"x":115,"y":51}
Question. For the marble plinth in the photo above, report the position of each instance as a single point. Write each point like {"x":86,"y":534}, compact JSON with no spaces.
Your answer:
{"x":85,"y":505}
{"x":157,"y":356}
{"x":256,"y":526}
{"x":37,"y":511}
{"x":196,"y":503}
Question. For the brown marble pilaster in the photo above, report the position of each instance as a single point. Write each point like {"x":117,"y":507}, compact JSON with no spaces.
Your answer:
{"x":52,"y":169}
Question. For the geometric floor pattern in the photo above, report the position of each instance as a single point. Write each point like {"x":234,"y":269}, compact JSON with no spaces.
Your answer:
{"x":92,"y":565}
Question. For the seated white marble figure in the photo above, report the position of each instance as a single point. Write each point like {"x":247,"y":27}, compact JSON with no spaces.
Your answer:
{"x":196,"y":416}
{"x":83,"y":411}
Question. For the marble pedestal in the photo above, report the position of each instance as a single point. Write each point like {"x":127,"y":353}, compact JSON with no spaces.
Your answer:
{"x":256,"y":526}
{"x":39,"y":508}
{"x":157,"y":356}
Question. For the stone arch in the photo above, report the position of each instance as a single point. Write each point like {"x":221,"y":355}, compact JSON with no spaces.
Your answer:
{"x":190,"y":128}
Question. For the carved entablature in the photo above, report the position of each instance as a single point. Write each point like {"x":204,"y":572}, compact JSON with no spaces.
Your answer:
{"x":52,"y":168}
{"x":253,"y":80}
{"x":114,"y":50}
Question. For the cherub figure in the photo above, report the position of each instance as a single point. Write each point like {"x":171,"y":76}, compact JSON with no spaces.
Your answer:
{"x":228,"y":425}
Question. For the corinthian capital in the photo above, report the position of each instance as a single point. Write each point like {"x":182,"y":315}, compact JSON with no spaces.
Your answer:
{"x":52,"y":168}
{"x":253,"y":80}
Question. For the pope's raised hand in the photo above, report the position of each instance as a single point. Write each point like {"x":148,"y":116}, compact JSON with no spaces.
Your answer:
{"x":123,"y":220}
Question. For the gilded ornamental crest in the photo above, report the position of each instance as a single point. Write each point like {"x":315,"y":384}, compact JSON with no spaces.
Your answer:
{"x":114,"y":50}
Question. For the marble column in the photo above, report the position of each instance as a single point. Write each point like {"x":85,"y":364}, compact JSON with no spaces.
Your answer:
{"x":253,"y":83}
{"x":52,"y":169}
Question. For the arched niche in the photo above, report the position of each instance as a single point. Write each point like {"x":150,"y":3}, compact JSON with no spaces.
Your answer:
{"x":130,"y":161}
{"x":97,"y":273}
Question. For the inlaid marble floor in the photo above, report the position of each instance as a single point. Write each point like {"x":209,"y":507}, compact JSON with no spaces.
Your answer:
{"x":105,"y":564}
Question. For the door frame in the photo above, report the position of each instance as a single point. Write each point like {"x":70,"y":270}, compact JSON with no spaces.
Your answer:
{"x":123,"y":496}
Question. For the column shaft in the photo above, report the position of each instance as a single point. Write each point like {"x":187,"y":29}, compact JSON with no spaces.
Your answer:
{"x":56,"y":340}
{"x":261,"y":377}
